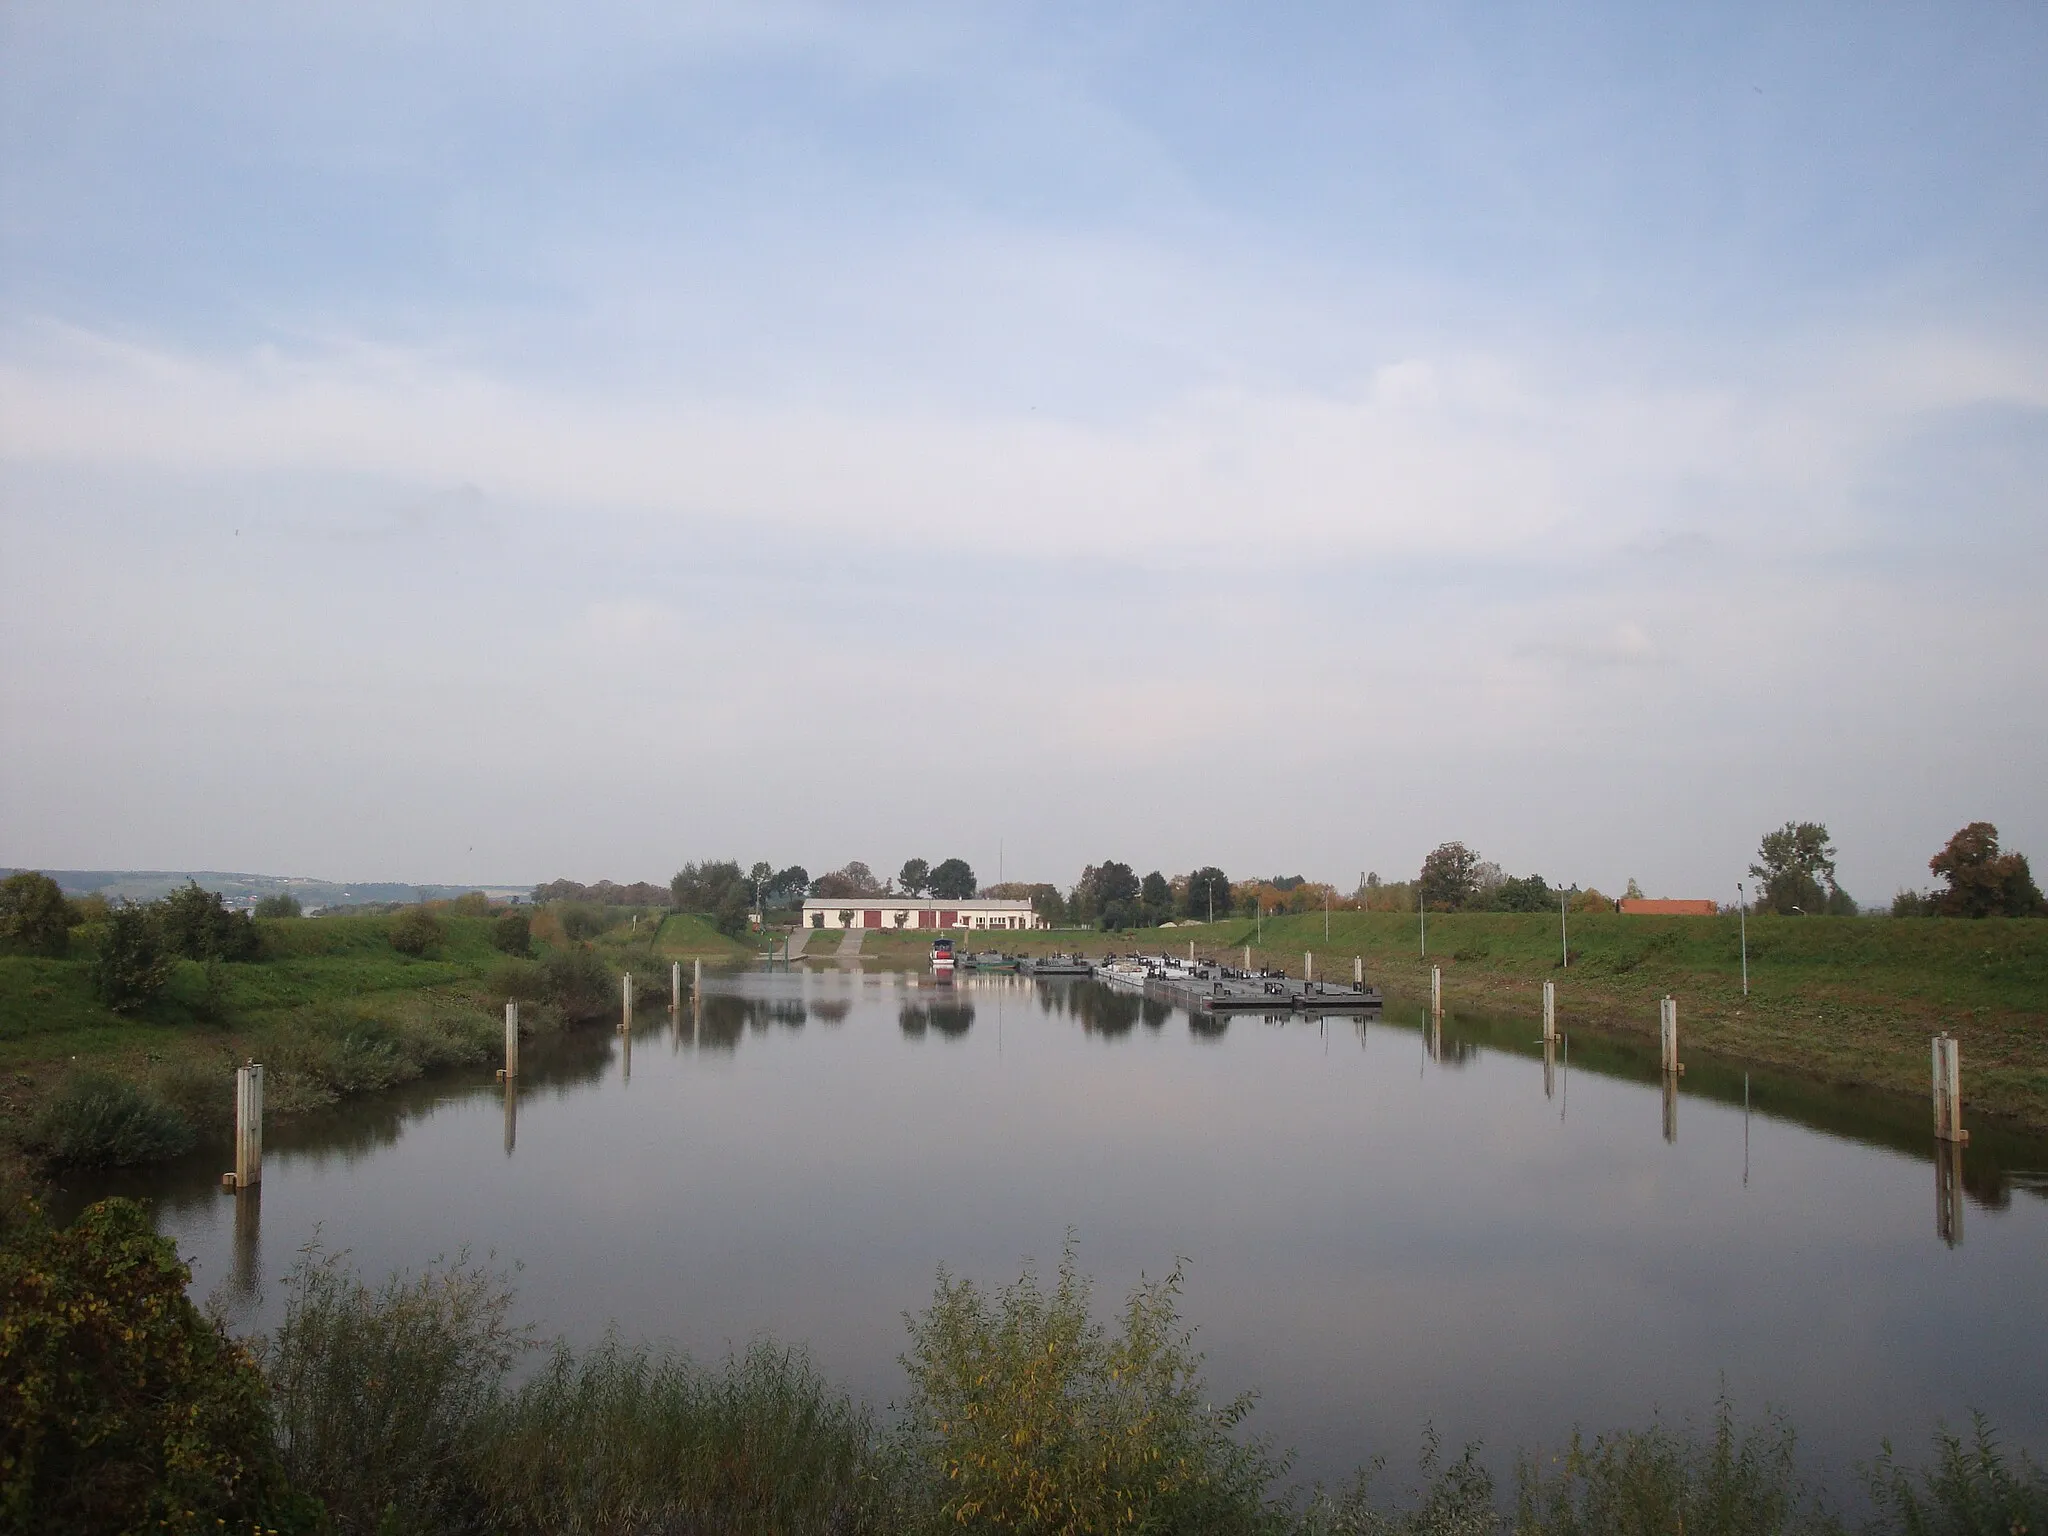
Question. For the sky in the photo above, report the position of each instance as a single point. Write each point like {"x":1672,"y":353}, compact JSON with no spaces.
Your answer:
{"x":489,"y":444}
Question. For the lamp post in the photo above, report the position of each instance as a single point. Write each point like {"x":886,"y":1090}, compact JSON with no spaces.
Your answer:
{"x":1742,"y":907}
{"x":1564,"y":937}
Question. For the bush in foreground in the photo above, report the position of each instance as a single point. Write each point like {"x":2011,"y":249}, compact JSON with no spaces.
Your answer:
{"x":1025,"y":1414}
{"x":97,"y":1121}
{"x":121,"y":1408}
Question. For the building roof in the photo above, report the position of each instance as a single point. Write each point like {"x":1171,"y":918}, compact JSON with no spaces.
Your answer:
{"x":912,"y":903}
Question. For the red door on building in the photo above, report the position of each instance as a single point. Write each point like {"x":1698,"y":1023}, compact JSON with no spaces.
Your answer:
{"x":871,"y":919}
{"x":949,"y":919}
{"x":927,"y":918}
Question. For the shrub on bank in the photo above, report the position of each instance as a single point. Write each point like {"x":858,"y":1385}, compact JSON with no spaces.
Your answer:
{"x":415,"y":932}
{"x":121,"y":1407}
{"x":323,"y":1053}
{"x":512,"y":933}
{"x":129,"y":968}
{"x":98,"y":1121}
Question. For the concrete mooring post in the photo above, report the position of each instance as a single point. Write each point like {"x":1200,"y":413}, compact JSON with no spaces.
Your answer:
{"x":1358,"y":972}
{"x":1247,"y":957}
{"x":675,"y":987}
{"x":626,"y":1001}
{"x":248,"y":1129}
{"x":1668,"y":1036}
{"x":1549,"y":1011}
{"x":1436,"y":989}
{"x":511,"y":1069}
{"x":1948,"y":1090}
{"x":1308,"y":966}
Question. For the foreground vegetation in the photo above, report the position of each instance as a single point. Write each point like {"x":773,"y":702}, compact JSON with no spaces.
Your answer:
{"x":399,"y":1408}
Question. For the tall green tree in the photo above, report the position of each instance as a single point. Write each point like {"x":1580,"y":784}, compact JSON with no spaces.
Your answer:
{"x":1208,"y":895}
{"x":1449,"y":878}
{"x":915,"y":877}
{"x":1155,"y":897}
{"x":1795,"y":870}
{"x":1982,"y":881}
{"x":35,"y":919}
{"x":953,"y":881}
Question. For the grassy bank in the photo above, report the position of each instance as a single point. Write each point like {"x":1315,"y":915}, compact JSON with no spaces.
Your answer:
{"x":331,"y":1007}
{"x":399,"y":1408}
{"x":1844,"y":1000}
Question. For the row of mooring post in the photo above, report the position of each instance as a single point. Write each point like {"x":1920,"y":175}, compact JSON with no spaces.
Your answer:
{"x":1667,"y":1034}
{"x":248,"y":1128}
{"x":511,"y":1067}
{"x":1436,"y":989}
{"x":1948,"y":1090}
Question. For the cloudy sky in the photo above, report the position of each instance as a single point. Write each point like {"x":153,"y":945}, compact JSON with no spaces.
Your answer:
{"x":491,"y":444}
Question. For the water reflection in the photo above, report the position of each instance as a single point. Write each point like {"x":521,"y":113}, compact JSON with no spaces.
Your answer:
{"x":1948,"y":1192}
{"x":780,"y":1198}
{"x":952,"y":1018}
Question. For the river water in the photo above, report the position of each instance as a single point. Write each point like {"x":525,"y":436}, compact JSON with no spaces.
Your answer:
{"x":1385,"y":1224}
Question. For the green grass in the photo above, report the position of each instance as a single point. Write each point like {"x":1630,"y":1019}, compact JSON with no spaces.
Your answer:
{"x":687,"y":936}
{"x":1848,"y":1001}
{"x":1845,"y":1000}
{"x":331,"y":1009}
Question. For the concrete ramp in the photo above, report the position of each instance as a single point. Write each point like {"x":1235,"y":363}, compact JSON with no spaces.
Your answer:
{"x":797,"y":941}
{"x":849,"y":946}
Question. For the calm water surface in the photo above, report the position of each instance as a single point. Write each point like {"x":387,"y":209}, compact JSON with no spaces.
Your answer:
{"x":1384,"y":1226}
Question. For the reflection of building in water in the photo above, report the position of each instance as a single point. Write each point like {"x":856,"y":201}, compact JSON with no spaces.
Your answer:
{"x":891,"y":912}
{"x":1670,"y":1107}
{"x":1948,"y":1191}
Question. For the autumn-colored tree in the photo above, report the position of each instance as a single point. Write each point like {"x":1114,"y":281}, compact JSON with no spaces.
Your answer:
{"x":1983,"y":882}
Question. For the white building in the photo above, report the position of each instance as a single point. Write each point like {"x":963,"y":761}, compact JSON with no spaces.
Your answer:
{"x":886,"y":912}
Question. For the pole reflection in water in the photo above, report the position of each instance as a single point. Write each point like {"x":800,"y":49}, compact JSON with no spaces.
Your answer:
{"x":1745,"y":1130}
{"x":511,"y":1115}
{"x":1948,"y":1191}
{"x":627,"y":1036}
{"x":245,"y":1280}
{"x":1550,"y":1069}
{"x":1670,"y":1106}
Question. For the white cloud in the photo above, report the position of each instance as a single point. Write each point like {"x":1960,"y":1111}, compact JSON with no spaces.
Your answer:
{"x":1471,"y":457}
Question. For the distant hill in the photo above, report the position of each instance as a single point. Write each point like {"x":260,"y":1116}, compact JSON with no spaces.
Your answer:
{"x":240,"y":890}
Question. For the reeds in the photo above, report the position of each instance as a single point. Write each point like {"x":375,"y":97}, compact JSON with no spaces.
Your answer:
{"x":398,"y":1406}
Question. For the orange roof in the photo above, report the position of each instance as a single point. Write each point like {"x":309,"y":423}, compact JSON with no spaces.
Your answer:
{"x":1645,"y":906}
